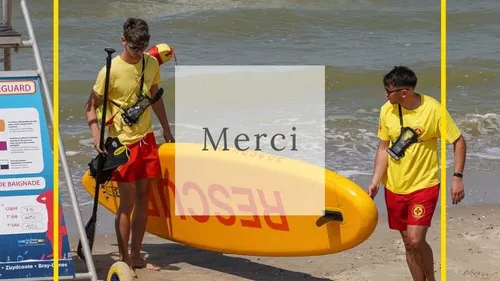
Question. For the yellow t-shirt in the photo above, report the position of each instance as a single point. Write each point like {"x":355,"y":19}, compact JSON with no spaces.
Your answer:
{"x":418,"y":169}
{"x":124,"y":85}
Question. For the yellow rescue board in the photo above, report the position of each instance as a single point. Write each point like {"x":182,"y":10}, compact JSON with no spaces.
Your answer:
{"x":352,"y":215}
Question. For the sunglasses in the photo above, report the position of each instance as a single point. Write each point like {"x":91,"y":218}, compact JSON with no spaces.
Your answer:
{"x":395,"y":90}
{"x":137,"y":48}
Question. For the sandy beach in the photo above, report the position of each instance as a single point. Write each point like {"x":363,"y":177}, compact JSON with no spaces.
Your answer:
{"x":473,"y":237}
{"x":357,"y":45}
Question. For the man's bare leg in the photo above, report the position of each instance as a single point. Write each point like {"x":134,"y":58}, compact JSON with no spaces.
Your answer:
{"x":122,"y":220}
{"x":139,"y":222}
{"x":417,"y":237}
{"x":419,"y":254}
{"x":411,"y":259}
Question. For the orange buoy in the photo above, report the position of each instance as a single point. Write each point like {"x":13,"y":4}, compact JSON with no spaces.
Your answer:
{"x":162,"y":53}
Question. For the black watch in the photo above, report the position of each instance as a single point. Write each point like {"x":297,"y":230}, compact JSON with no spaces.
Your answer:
{"x":460,"y":175}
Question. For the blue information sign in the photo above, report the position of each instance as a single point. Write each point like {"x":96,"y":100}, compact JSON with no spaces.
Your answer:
{"x":26,"y":185}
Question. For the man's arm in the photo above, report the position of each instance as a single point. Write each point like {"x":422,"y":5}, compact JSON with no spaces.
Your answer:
{"x":453,"y":135}
{"x":459,"y":150}
{"x":379,"y":169}
{"x":159,"y":109}
{"x":380,"y":166}
{"x":459,"y":153}
{"x":381,"y":156}
{"x":457,"y":185}
{"x":93,"y":101}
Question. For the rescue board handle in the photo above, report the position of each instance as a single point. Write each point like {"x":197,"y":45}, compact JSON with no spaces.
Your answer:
{"x":330,"y":215}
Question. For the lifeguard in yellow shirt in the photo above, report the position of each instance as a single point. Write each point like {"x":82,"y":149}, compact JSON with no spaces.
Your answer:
{"x":406,"y":163}
{"x":134,"y":76}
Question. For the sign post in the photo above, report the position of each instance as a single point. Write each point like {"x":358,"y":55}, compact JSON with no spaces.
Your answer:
{"x":26,"y":184}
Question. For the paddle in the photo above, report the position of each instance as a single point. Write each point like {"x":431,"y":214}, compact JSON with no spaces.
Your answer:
{"x":90,"y":227}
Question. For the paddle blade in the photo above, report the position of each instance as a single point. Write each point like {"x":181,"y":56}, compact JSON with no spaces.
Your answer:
{"x":90,"y":232}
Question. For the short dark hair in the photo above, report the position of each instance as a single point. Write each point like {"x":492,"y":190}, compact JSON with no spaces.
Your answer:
{"x":136,"y":31}
{"x":401,"y":76}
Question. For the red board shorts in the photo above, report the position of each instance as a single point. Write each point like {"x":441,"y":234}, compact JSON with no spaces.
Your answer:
{"x":416,"y":208}
{"x":143,"y":162}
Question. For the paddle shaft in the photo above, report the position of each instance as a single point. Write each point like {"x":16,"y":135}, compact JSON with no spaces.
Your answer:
{"x":90,"y":227}
{"x":100,"y":160}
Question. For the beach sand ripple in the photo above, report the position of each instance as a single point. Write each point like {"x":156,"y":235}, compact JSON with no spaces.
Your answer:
{"x":473,"y":253}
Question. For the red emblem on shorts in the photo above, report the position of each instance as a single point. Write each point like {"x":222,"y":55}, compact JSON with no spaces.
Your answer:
{"x":418,"y":211}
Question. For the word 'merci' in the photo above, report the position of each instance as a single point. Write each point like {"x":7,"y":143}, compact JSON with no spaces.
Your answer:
{"x":245,"y":138}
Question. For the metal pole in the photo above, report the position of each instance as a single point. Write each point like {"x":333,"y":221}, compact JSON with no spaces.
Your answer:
{"x":7,"y":12}
{"x":62,"y":154}
{"x":24,"y":45}
{"x":7,"y":20}
{"x":7,"y":66}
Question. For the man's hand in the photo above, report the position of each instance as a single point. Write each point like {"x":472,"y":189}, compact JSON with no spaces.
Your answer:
{"x":168,"y":136}
{"x":97,"y":142}
{"x":372,"y":190}
{"x":159,"y":110}
{"x":457,"y":190}
{"x":96,"y":135}
{"x":457,"y":185}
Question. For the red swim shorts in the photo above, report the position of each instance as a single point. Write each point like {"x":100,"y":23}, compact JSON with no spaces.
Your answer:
{"x":416,"y":208}
{"x":143,"y":162}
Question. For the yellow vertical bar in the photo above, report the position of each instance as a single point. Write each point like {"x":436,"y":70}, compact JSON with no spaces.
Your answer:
{"x":443,"y":140}
{"x":55,"y":132}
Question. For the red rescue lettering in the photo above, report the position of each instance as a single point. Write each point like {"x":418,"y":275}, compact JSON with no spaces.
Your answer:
{"x":217,"y":195}
{"x":276,"y":209}
{"x":231,"y":219}
{"x":164,"y":194}
{"x":250,"y":208}
{"x":189,"y":185}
